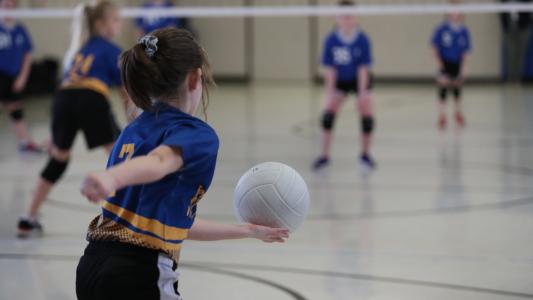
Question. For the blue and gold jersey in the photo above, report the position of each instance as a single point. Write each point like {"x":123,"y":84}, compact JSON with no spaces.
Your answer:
{"x":346,"y":55}
{"x":161,"y":213}
{"x":95,"y":67}
{"x":452,"y":42}
{"x":15,"y":43}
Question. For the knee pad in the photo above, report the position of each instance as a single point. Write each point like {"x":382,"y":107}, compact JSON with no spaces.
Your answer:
{"x":367,"y":124}
{"x":443,"y":93}
{"x":457,"y":92}
{"x":54,"y":169}
{"x":328,"y":120}
{"x":17,"y":115}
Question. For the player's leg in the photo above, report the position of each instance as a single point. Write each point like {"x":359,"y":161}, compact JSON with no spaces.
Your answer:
{"x":457,"y":86}
{"x":64,"y":129}
{"x":443,"y":83}
{"x":366,"y":113}
{"x":334,"y":99}
{"x":459,"y":117}
{"x":51,"y":173}
{"x":15,"y":110}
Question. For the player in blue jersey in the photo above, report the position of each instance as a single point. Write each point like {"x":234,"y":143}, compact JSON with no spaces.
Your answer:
{"x":347,"y":59}
{"x":451,"y":48}
{"x":15,"y":66}
{"x":81,"y":103}
{"x":150,"y":23}
{"x":161,"y":166}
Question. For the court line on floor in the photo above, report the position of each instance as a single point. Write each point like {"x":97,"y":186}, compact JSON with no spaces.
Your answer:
{"x":343,"y":217}
{"x":450,"y":165}
{"x":367,"y":277}
{"x":215,"y":267}
{"x":198,"y":267}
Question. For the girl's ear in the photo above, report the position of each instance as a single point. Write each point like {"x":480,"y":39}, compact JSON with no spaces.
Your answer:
{"x":194,"y":79}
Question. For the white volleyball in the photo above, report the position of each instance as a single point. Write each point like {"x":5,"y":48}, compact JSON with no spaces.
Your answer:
{"x":272,"y":194}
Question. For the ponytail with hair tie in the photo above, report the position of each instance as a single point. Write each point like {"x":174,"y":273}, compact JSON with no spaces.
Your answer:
{"x":150,"y":44}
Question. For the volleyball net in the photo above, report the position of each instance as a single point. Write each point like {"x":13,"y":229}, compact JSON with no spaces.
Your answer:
{"x":263,"y":8}
{"x":283,"y":39}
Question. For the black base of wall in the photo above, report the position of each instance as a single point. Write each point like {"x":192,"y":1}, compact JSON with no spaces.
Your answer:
{"x":378,"y":79}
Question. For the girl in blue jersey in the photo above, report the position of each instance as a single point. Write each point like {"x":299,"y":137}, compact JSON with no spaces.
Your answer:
{"x":451,"y":47}
{"x":150,"y":23}
{"x":81,"y":103}
{"x":347,"y":59}
{"x":161,"y":166}
{"x":15,"y":65}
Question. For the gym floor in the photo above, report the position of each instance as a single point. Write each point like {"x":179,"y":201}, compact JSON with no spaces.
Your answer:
{"x":446,"y":215}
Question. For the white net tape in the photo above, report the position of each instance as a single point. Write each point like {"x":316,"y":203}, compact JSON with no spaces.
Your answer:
{"x":287,"y":10}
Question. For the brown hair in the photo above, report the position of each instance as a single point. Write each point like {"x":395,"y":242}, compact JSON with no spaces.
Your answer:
{"x":160,"y":75}
{"x":96,"y":13}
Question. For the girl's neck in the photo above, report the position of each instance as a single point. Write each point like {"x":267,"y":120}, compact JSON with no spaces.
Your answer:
{"x":102,"y":34}
{"x":8,"y":22}
{"x":455,"y":24}
{"x":182,"y":105}
{"x":348,"y":32}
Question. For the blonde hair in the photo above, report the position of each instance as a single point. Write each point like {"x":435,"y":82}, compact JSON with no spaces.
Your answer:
{"x":83,"y":26}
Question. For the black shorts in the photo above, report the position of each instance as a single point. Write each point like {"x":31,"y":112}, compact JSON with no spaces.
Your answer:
{"x":112,"y":271}
{"x":348,"y":87}
{"x":451,"y":70}
{"x":85,"y":110}
{"x":6,"y":89}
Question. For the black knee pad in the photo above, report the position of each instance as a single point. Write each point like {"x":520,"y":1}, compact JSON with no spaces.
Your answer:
{"x":367,"y":124}
{"x":443,"y":93}
{"x":457,"y":92}
{"x":54,"y":169}
{"x":328,"y":120}
{"x":17,"y":115}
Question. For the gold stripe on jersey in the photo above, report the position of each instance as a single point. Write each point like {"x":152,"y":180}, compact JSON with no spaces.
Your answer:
{"x":90,"y":83}
{"x":151,"y":225}
{"x":106,"y":230}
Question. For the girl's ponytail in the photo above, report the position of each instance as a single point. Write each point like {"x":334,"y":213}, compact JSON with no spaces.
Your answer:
{"x":80,"y":33}
{"x":83,"y":26}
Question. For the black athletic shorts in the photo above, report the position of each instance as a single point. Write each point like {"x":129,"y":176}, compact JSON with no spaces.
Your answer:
{"x":451,"y":70}
{"x":85,"y":110}
{"x":113,"y":270}
{"x":6,"y":89}
{"x":348,"y":87}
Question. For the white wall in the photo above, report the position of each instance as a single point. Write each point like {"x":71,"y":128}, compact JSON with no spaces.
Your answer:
{"x":281,"y":46}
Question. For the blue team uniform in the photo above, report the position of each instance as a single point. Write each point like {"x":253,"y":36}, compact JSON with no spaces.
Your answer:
{"x":346,"y":56}
{"x":149,"y":24}
{"x":95,"y":67}
{"x":451,"y":42}
{"x":15,"y":43}
{"x":161,"y":213}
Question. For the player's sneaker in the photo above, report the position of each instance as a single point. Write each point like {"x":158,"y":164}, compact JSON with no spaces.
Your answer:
{"x":442,"y":122}
{"x":320,"y":163}
{"x":29,"y":228}
{"x":30,"y":147}
{"x":460,"y":119}
{"x":367,"y":162}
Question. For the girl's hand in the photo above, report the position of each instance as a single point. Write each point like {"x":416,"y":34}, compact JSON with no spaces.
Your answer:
{"x":98,"y":186}
{"x":268,"y":234}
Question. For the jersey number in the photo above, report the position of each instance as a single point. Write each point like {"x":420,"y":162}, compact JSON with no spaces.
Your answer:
{"x":125,"y":152}
{"x":81,"y":66}
{"x":191,"y":211}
